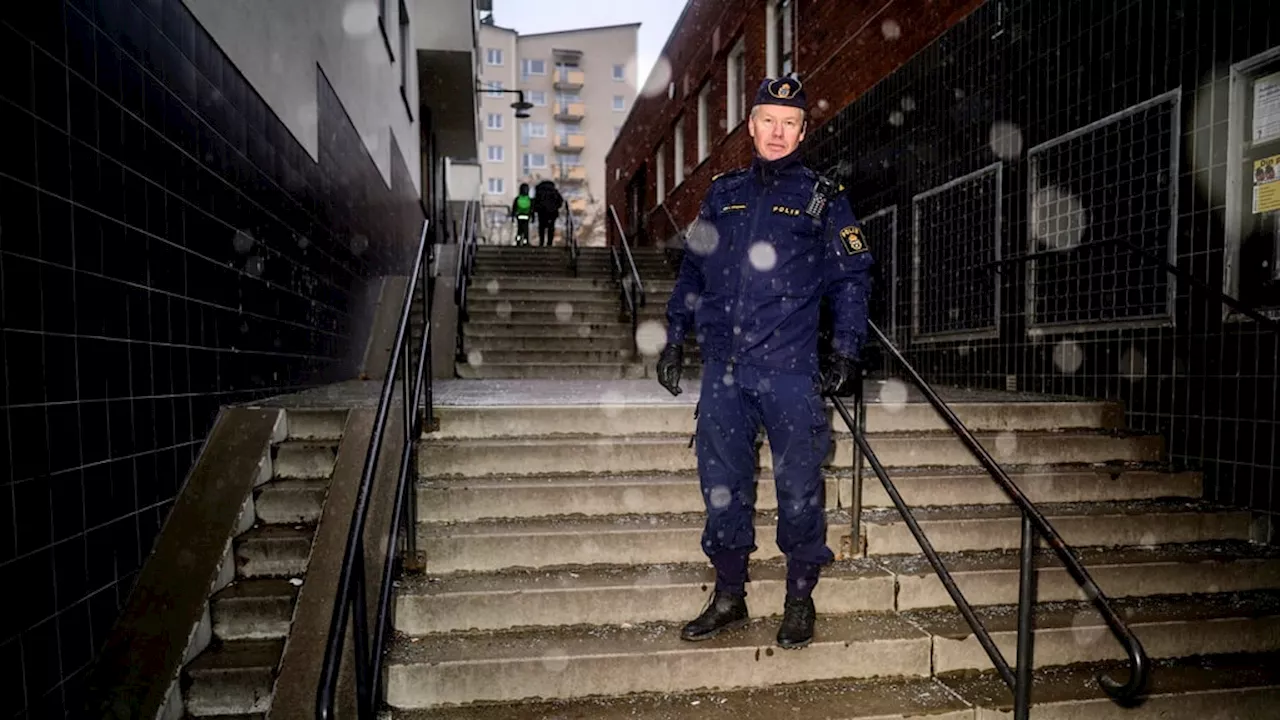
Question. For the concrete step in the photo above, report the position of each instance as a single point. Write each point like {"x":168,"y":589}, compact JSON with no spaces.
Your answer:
{"x":253,"y":609}
{"x":1073,"y":632}
{"x":661,"y":415}
{"x":316,"y":424}
{"x":559,"y":331}
{"x":292,"y":502}
{"x":545,"y":342}
{"x":878,"y":699}
{"x":550,"y":370}
{"x":496,"y":284}
{"x":499,"y":304}
{"x":582,"y":661}
{"x":671,"y":453}
{"x":232,"y":678}
{"x":998,"y":527}
{"x":1218,"y":687}
{"x":466,"y":499}
{"x":305,"y":459}
{"x":273,"y":551}
{"x":571,"y":357}
{"x":473,"y":498}
{"x":991,"y":578}
{"x":921,"y":487}
{"x":560,"y":313}
{"x":492,"y":545}
{"x":617,"y":594}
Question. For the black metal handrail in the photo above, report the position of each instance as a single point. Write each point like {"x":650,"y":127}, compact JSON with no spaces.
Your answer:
{"x":1033,"y":523}
{"x":350,"y":596}
{"x":465,"y":266}
{"x":629,"y":284}
{"x":1213,"y":293}
{"x":571,"y":238}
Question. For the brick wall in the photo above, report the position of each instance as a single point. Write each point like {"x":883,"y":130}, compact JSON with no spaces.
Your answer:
{"x":843,"y":49}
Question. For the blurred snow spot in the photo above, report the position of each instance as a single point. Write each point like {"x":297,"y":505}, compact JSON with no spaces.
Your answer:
{"x":691,"y":301}
{"x":296,"y":582}
{"x":893,"y":395}
{"x":703,"y":238}
{"x":584,"y":331}
{"x":823,"y":105}
{"x":1006,"y":445}
{"x":737,"y":330}
{"x":360,"y":17}
{"x":255,"y":266}
{"x":504,"y":310}
{"x":954,"y":313}
{"x":727,"y":379}
{"x":303,"y":242}
{"x":720,"y":497}
{"x":1133,"y":364}
{"x":1006,"y":140}
{"x":963,"y":350}
{"x":1058,"y":220}
{"x":1067,"y":356}
{"x":896,"y":117}
{"x":1148,"y":540}
{"x":491,"y":287}
{"x":651,"y":337}
{"x":242,"y":241}
{"x":763,"y":257}
{"x":555,"y":660}
{"x":564,"y":311}
{"x":890,"y":29}
{"x":475,"y":358}
{"x":1085,"y":628}
{"x":359,"y":244}
{"x":613,"y":403}
{"x":633,"y":500}
{"x":908,"y":103}
{"x":959,"y":93}
{"x":659,"y":79}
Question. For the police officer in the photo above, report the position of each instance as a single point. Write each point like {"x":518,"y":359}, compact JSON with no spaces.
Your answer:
{"x":770,"y":243}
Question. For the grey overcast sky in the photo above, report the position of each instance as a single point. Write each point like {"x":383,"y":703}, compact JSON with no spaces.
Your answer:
{"x":656,"y":17}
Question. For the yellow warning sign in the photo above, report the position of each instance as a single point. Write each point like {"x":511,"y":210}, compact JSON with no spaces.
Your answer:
{"x":1266,"y":184}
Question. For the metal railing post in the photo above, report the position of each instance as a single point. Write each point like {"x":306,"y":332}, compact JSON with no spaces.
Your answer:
{"x":1026,"y":608}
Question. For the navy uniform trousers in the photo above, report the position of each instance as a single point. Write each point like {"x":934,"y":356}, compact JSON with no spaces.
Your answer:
{"x":735,"y":402}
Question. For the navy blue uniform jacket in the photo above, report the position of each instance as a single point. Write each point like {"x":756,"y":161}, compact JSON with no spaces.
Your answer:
{"x":756,"y":267}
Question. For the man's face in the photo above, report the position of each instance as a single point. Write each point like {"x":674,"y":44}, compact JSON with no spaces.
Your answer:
{"x":776,"y":130}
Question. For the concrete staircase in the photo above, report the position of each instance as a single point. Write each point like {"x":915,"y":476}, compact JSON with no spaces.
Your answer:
{"x":251,"y":612}
{"x":528,"y":316}
{"x":562,"y":551}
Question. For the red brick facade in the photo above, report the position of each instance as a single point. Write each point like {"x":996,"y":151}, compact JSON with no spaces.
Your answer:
{"x":843,"y":48}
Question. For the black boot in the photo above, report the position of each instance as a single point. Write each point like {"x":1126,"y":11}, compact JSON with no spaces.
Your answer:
{"x":724,"y":612}
{"x":796,"y":630}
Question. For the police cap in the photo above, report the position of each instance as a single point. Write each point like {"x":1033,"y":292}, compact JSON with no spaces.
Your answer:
{"x":786,"y":91}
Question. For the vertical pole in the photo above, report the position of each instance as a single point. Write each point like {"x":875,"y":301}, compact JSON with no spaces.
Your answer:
{"x":1026,"y":607}
{"x":360,"y":633}
{"x":855,"y":505}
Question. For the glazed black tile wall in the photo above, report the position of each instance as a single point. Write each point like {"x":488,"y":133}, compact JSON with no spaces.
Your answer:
{"x":166,"y":247}
{"x":995,"y":89}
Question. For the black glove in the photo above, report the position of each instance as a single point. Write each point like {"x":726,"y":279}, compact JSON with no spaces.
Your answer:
{"x":840,"y":376}
{"x":670,"y":365}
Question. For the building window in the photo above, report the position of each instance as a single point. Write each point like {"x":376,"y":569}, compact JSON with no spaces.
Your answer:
{"x":660,"y":162}
{"x":678,"y":163}
{"x":736,"y":94}
{"x":495,"y":153}
{"x":493,"y":56}
{"x":535,"y":129}
{"x":538,"y":98}
{"x":619,"y":103}
{"x":534,"y":160}
{"x":704,"y":122}
{"x":495,"y":89}
{"x":619,"y":73}
{"x":494,"y":121}
{"x":495,"y":186}
{"x":568,"y":128}
{"x":564,"y":98}
{"x":786,"y":14}
{"x":533,"y":66}
{"x":617,"y":130}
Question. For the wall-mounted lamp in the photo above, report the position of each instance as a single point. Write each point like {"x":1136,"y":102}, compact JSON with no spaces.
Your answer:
{"x":520,"y":106}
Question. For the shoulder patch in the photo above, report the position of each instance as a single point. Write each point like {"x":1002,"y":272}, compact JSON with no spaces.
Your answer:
{"x":851,"y":238}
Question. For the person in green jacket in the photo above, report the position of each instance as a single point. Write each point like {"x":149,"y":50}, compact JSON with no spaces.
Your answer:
{"x":522,"y":210}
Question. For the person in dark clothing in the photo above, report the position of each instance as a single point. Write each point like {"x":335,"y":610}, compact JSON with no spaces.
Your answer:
{"x":770,"y":243}
{"x":546,"y":203}
{"x":521,"y":210}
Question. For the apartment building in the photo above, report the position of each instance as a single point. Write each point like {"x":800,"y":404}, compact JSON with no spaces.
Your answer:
{"x":581,"y":84}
